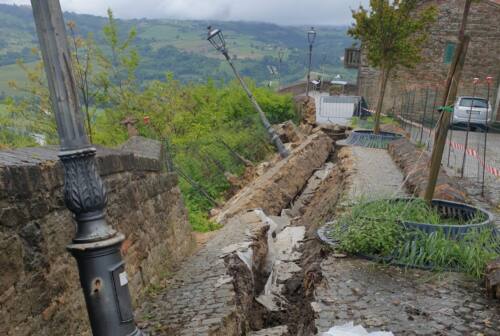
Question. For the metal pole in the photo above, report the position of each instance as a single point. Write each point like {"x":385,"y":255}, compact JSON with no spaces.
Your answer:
{"x":411,"y":113}
{"x":436,"y":91}
{"x":423,"y":116}
{"x":280,"y":57}
{"x":451,"y":137}
{"x":309,"y":69}
{"x":270,"y":130}
{"x":488,"y":80}
{"x":96,"y":246}
{"x":468,"y":129}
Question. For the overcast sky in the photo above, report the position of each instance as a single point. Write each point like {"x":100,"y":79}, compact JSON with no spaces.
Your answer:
{"x":329,"y":12}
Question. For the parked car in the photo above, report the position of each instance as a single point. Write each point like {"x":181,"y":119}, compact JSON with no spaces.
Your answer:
{"x":473,"y":110}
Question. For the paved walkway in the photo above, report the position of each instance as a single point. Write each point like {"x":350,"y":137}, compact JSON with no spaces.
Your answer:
{"x":406,"y":302}
{"x":200,"y":298}
{"x":376,"y":175}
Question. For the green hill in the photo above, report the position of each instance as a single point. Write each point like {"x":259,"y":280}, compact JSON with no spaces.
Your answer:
{"x":179,"y":47}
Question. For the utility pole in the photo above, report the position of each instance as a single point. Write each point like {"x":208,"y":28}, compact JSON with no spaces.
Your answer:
{"x":451,"y":88}
{"x":96,"y":246}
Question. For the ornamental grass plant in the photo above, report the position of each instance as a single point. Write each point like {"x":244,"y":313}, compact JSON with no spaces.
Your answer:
{"x":374,"y":229}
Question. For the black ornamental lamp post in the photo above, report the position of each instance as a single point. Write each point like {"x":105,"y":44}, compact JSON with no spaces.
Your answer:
{"x":96,"y":246}
{"x":311,"y":36}
{"x":216,"y":38}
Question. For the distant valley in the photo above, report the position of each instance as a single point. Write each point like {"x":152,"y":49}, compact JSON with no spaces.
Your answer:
{"x":180,"y":47}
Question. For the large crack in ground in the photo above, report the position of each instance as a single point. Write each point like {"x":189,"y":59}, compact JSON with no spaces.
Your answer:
{"x":275,"y":282}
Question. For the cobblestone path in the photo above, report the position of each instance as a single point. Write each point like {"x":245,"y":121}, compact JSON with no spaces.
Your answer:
{"x":376,"y":175}
{"x":406,"y":302}
{"x":200,"y":298}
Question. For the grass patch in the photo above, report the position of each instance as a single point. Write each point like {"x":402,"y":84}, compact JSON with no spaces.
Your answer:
{"x":373,"y":228}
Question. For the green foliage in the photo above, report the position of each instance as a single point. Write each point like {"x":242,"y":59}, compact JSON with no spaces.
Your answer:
{"x":207,"y":126}
{"x":392,"y":32}
{"x":29,"y":116}
{"x":373,"y":228}
{"x":470,"y":254}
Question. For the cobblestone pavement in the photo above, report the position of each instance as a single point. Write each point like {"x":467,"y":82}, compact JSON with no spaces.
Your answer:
{"x":406,"y":302}
{"x":473,"y":169}
{"x":200,"y":297}
{"x":375,"y":175}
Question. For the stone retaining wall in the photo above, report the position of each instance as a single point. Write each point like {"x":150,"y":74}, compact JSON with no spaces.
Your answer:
{"x":275,"y":189}
{"x":39,"y":286}
{"x":415,"y":164}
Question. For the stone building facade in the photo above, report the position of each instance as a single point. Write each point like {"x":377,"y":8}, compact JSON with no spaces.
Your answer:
{"x":483,"y":57}
{"x":40,"y":290}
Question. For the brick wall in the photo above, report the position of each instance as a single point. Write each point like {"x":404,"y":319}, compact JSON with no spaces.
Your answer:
{"x":39,"y":287}
{"x":483,"y":57}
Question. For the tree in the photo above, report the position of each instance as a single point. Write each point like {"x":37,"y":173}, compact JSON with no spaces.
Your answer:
{"x":392,"y":34}
{"x":83,"y":50}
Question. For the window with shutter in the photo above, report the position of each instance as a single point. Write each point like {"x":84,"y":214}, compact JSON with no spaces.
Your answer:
{"x":448,"y":52}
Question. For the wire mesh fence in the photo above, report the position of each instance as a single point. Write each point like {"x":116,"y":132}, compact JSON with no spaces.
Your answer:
{"x":473,"y":145}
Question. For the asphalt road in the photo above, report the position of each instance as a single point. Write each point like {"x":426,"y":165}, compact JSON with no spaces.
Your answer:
{"x":453,"y":158}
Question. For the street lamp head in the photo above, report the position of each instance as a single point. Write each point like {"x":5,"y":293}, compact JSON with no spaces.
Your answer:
{"x":311,"y":35}
{"x":216,"y":38}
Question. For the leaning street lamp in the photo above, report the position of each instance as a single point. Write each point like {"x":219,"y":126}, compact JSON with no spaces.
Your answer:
{"x":96,"y":246}
{"x":311,"y":37}
{"x":216,"y":38}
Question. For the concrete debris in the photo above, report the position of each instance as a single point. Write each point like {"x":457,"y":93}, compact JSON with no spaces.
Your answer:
{"x":349,"y":329}
{"x":285,"y":252}
{"x":288,"y":132}
{"x":287,"y":243}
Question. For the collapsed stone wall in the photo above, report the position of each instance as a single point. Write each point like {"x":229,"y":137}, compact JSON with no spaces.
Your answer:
{"x":274,"y":190}
{"x":40,"y":291}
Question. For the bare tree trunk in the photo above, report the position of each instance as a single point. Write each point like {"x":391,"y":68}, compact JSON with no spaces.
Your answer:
{"x":451,"y":87}
{"x":384,"y":77}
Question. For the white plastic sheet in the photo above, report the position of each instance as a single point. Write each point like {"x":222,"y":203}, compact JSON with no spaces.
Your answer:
{"x":349,"y":329}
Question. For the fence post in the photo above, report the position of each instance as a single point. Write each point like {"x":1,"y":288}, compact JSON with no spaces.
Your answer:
{"x":489,"y":80}
{"x":425,"y":112}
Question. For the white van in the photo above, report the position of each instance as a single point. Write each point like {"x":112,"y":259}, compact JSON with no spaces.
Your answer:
{"x":473,"y":110}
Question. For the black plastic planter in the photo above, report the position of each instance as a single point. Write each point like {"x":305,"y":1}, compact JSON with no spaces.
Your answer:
{"x":367,"y":138}
{"x":449,"y":209}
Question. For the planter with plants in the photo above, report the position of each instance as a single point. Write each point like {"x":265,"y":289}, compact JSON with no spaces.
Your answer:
{"x":409,"y":232}
{"x":368,"y":138}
